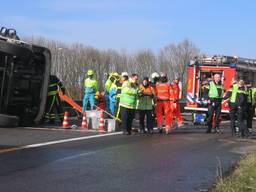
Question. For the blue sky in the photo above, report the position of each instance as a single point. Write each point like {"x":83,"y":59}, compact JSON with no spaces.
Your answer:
{"x":215,"y":26}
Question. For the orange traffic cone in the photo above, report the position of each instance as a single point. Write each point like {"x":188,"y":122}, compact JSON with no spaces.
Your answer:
{"x":65,"y":124}
{"x":84,"y":122}
{"x":101,"y":125}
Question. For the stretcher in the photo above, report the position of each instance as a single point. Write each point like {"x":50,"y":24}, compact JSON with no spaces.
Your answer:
{"x":70,"y":102}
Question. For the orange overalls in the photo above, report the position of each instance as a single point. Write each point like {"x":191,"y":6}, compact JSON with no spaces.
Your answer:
{"x":175,"y":104}
{"x":163,"y":105}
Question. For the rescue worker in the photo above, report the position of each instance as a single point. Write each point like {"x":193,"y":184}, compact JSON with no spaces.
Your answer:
{"x":145,"y":105}
{"x":254,"y":100}
{"x":231,"y":101}
{"x":99,"y":97}
{"x":90,"y":88}
{"x":114,"y":94}
{"x":129,"y":94}
{"x":124,"y":77}
{"x":110,"y":80}
{"x":175,"y":101}
{"x":237,"y":103}
{"x":214,"y":96}
{"x":249,"y":105}
{"x":154,"y":79}
{"x":163,"y":95}
{"x":53,"y":102}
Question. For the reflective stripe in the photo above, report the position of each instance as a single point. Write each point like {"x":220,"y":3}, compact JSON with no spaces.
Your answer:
{"x":162,"y":98}
{"x":234,"y":93}
{"x":52,"y":93}
{"x":53,"y":84}
{"x":163,"y":91}
{"x":249,"y":96}
{"x":128,"y":95}
{"x":213,"y":92}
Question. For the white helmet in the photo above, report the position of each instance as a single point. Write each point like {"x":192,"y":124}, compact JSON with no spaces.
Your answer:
{"x":124,"y":74}
{"x":154,"y":75}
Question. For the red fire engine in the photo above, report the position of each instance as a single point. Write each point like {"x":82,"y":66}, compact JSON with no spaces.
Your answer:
{"x":200,"y":72}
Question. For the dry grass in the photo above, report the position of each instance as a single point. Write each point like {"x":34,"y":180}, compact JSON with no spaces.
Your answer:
{"x":243,"y":178}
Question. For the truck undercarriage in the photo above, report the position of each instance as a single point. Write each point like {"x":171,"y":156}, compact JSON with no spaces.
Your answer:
{"x":24,"y":76}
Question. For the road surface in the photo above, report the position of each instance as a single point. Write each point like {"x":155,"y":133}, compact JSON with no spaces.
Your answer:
{"x":187,"y":160}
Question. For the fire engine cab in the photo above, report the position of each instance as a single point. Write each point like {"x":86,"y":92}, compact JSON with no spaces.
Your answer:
{"x":201,"y":71}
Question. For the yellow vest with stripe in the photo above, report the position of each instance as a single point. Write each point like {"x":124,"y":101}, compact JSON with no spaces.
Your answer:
{"x":128,"y":98}
{"x":213,"y":91}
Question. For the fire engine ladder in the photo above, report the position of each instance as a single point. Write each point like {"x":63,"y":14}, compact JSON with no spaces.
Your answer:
{"x":240,"y":63}
{"x":248,"y":64}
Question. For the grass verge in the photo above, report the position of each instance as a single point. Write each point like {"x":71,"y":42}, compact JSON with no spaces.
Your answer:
{"x":242,"y":179}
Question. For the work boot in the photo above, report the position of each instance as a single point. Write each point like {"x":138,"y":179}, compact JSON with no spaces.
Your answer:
{"x":126,"y":133}
{"x":150,"y":131}
{"x":142,"y":131}
{"x":180,"y":125}
{"x":50,"y":122}
{"x":167,"y":130}
{"x":160,"y":130}
{"x":209,"y":130}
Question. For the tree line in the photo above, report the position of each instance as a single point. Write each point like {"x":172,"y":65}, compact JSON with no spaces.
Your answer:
{"x":70,"y":62}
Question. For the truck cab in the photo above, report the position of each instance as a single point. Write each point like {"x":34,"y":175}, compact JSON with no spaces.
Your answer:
{"x":24,"y":77}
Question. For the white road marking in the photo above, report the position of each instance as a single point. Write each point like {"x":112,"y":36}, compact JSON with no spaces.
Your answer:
{"x":60,"y":129}
{"x":86,"y":154}
{"x":57,"y":142}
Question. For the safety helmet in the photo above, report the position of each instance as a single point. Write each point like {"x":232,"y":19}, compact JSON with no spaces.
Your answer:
{"x":154,"y":75}
{"x":124,"y":74}
{"x":115,"y":74}
{"x":90,"y":72}
{"x":162,"y":74}
{"x":176,"y":77}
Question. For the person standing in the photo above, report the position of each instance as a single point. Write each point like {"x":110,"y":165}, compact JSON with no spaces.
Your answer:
{"x":239,"y":102}
{"x":249,"y":105}
{"x":108,"y":83}
{"x":163,"y":96}
{"x":175,"y":101}
{"x":114,"y":94}
{"x":214,"y":96}
{"x":154,"y":79}
{"x":53,"y":102}
{"x":90,"y":89}
{"x":145,"y":105}
{"x":124,"y":77}
{"x":128,"y":98}
{"x":231,"y":97}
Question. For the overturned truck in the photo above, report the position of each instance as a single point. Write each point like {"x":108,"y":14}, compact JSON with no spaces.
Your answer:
{"x":24,"y":76}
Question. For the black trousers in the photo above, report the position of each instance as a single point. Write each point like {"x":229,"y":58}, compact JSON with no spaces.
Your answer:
{"x":239,"y":113}
{"x":53,"y":106}
{"x":232,"y":114}
{"x":249,"y":112}
{"x":214,"y":107}
{"x":149,"y":117}
{"x":127,"y":116}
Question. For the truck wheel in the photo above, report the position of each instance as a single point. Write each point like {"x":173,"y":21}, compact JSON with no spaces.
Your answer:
{"x":8,"y":121}
{"x":16,"y":50}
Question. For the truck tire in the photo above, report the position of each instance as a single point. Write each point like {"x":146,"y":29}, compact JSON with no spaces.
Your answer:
{"x":16,"y":50}
{"x":8,"y":121}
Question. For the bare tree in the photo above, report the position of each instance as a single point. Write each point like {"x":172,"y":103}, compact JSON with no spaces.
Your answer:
{"x":71,"y":61}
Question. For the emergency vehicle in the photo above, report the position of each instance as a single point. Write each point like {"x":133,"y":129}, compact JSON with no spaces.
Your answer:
{"x":200,"y":72}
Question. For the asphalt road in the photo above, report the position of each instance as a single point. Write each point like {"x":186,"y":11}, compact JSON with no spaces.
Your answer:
{"x":187,"y":160}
